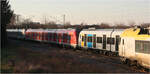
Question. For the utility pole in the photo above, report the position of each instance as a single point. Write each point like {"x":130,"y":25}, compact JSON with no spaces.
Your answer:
{"x":45,"y":20}
{"x":17,"y":19}
{"x":64,"y":19}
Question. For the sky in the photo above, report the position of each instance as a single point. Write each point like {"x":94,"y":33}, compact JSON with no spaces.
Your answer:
{"x":84,"y":11}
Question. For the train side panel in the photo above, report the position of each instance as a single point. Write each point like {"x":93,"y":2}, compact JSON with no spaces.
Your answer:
{"x":107,"y":40}
{"x":135,"y":46}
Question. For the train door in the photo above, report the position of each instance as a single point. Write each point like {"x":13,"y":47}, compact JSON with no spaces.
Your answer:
{"x":89,"y":41}
{"x":62,"y":37}
{"x":82,"y":41}
{"x":104,"y":41}
{"x":41,"y":36}
{"x":123,"y":47}
{"x":94,"y":41}
{"x":69,"y":38}
{"x":85,"y":40}
{"x":117,"y":42}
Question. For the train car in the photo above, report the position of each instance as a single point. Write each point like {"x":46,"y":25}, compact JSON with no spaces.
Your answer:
{"x":34,"y":34}
{"x":65,"y":37}
{"x":135,"y":46}
{"x":101,"y":39}
{"x":68,"y":37}
{"x":73,"y":35}
{"x":16,"y":33}
{"x":60,"y":36}
{"x":50,"y":36}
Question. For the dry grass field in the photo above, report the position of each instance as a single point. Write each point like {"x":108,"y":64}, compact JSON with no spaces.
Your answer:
{"x":27,"y":56}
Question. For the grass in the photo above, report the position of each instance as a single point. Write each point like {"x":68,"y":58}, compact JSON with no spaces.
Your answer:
{"x":19,"y":59}
{"x":8,"y":55}
{"x":23,"y":59}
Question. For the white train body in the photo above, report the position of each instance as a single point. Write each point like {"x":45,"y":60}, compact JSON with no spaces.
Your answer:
{"x":102,"y":39}
{"x":135,"y":46}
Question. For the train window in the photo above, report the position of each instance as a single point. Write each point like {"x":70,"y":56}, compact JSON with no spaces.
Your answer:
{"x":142,"y":46}
{"x":82,"y":38}
{"x":34,"y":34}
{"x":56,"y":36}
{"x":64,"y":36}
{"x":90,"y":39}
{"x":99,"y":39}
{"x":144,"y":31}
{"x":43,"y":35}
{"x":85,"y":39}
{"x":119,"y":40}
{"x":40,"y":35}
{"x":94,"y":40}
{"x":110,"y":40}
{"x":49,"y":36}
{"x":69,"y":38}
{"x":147,"y":47}
{"x":123,"y":41}
{"x":52,"y":36}
{"x":138,"y":46}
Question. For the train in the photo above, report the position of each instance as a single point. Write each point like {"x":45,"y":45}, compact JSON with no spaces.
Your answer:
{"x":132,"y":45}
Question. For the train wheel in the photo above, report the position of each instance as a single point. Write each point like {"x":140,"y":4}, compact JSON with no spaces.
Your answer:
{"x":141,"y":67}
{"x":100,"y":52}
{"x":97,"y":51}
{"x":138,"y":65}
{"x":104,"y":53}
{"x":109,"y":54}
{"x":123,"y":60}
{"x":133,"y":63}
{"x":129,"y":62}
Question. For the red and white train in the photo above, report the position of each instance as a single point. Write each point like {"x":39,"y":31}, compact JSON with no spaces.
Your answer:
{"x":65,"y":37}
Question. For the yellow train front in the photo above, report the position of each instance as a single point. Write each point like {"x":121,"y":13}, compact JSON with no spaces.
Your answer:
{"x":135,"y":46}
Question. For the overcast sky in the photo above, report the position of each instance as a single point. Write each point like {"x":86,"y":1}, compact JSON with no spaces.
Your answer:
{"x":87,"y":11}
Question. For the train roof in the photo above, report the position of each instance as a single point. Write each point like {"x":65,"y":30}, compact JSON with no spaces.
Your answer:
{"x":137,"y":33}
{"x":102,"y":31}
{"x":52,"y":30}
{"x":15,"y":30}
{"x":34,"y":30}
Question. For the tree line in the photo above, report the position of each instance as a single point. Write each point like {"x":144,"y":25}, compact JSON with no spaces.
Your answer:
{"x":83,"y":26}
{"x":6,"y":14}
{"x":59,"y":26}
